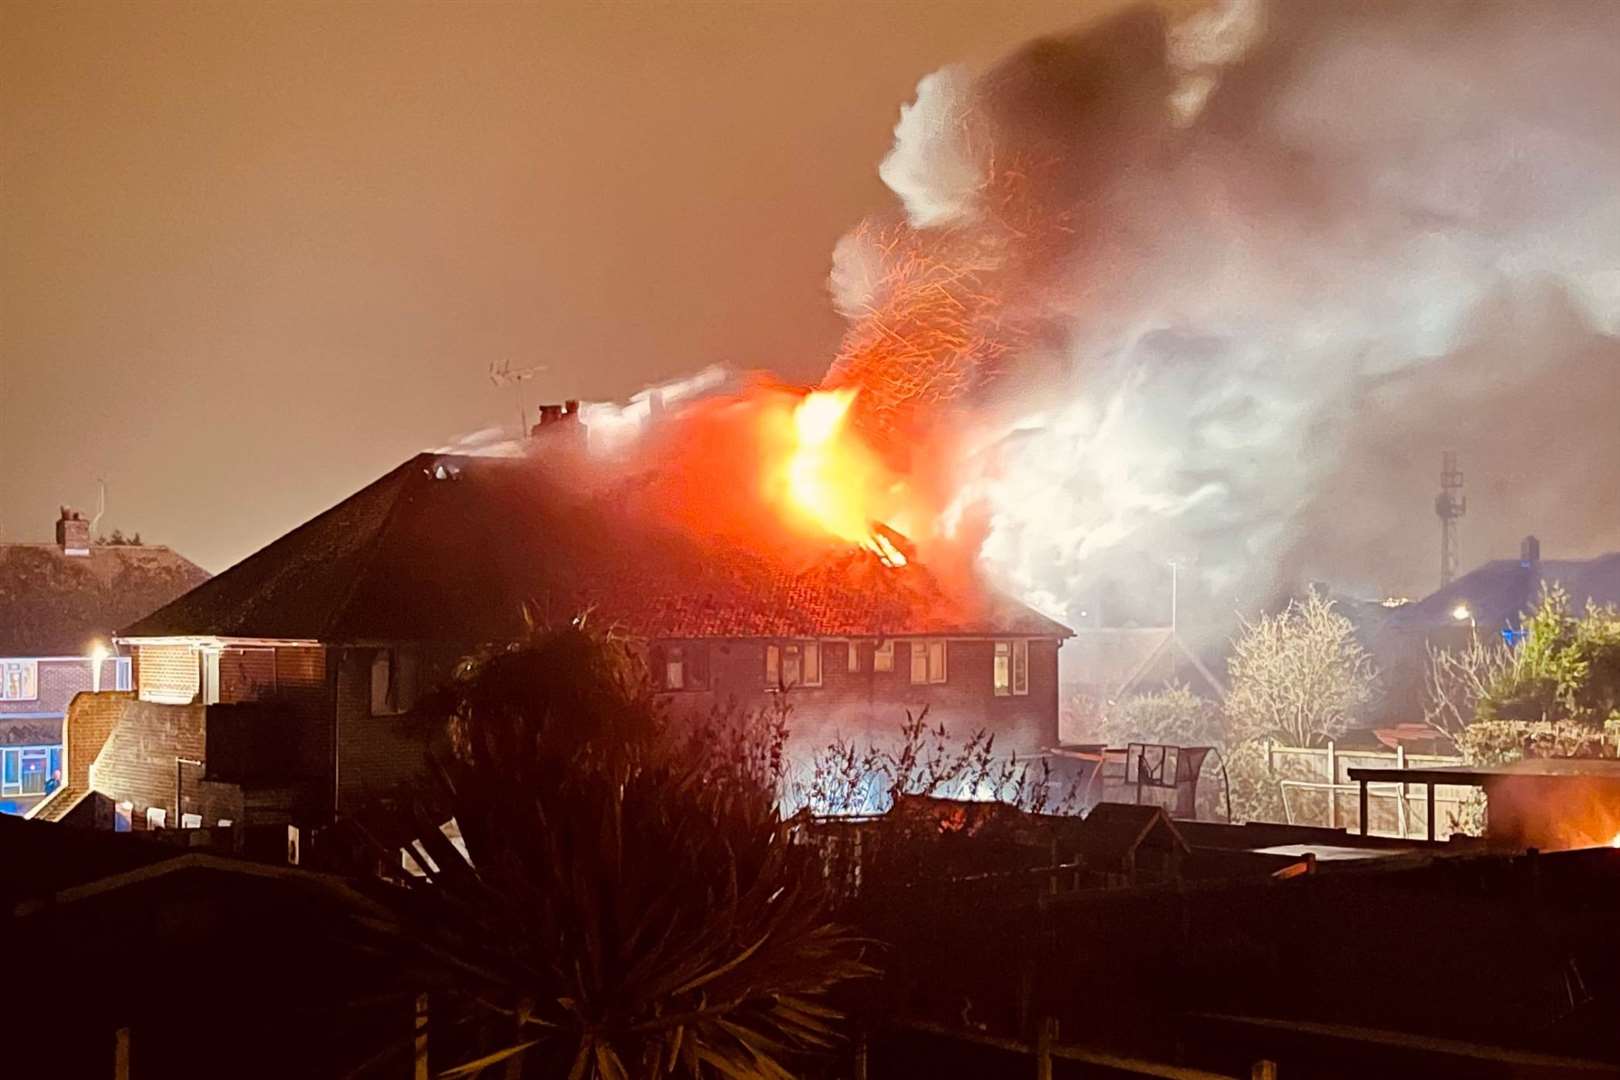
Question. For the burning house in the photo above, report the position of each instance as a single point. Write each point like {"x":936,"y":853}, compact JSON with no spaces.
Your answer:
{"x":282,"y":689}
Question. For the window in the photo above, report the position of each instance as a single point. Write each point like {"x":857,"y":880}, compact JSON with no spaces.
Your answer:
{"x":927,"y":662}
{"x":19,"y":680}
{"x":30,"y":770}
{"x":793,"y":663}
{"x":852,"y":659}
{"x":1011,"y":673}
{"x":121,"y":678}
{"x":883,"y":656}
{"x":679,"y":667}
{"x":393,"y":682}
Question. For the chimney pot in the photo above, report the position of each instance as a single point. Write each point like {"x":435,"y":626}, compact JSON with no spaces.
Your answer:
{"x":554,"y":417}
{"x":72,"y":533}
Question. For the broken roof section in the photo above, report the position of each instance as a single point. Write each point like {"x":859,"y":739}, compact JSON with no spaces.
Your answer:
{"x":455,"y":549}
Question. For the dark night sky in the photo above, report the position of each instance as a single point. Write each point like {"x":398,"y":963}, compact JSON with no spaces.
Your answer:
{"x":256,"y":254}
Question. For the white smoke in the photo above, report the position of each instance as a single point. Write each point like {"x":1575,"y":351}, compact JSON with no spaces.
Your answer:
{"x":933,"y":167}
{"x":1261,"y":309}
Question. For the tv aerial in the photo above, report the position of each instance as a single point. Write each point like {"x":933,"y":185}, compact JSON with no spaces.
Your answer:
{"x":502,"y":373}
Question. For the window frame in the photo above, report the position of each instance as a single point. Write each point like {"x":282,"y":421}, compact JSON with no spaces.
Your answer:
{"x":24,"y":673}
{"x":925,"y":649}
{"x":400,"y":681}
{"x":13,"y":758}
{"x":883,"y":655}
{"x":777,"y":655}
{"x":1009,"y":668}
{"x":689,"y":658}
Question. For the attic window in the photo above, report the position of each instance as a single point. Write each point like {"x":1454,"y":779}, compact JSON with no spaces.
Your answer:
{"x":442,"y":471}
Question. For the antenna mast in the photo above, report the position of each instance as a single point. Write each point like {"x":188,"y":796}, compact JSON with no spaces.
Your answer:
{"x":503,"y":374}
{"x":1449,"y":506}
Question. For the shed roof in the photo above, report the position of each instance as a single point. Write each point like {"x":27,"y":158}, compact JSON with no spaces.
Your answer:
{"x":456,"y":549}
{"x":1532,"y":768}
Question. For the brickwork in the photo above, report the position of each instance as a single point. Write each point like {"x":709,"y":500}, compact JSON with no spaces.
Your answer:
{"x":90,"y":721}
{"x":246,"y":674}
{"x":58,"y":681}
{"x":167,"y":673}
{"x":137,"y":764}
{"x":869,"y":706}
{"x":378,"y":753}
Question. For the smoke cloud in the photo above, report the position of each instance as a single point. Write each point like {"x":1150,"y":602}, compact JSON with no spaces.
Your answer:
{"x":1236,"y":276}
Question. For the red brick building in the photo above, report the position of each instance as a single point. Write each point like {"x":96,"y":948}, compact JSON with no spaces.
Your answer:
{"x":60,"y":604}
{"x":291,"y":676}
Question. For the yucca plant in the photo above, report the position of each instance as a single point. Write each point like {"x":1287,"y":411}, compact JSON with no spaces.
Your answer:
{"x":628,"y":904}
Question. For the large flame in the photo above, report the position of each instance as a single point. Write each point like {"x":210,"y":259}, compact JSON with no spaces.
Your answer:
{"x":833,"y":480}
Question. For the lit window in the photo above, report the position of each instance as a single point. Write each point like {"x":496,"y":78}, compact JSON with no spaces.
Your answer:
{"x":19,"y":680}
{"x":680,"y":667}
{"x":794,"y":663}
{"x":1011,"y":672}
{"x":30,"y":770}
{"x":393,"y":682}
{"x":927,"y":662}
{"x":883,"y":656}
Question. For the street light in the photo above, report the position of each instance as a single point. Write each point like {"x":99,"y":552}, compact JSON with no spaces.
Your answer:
{"x":1462,"y":612}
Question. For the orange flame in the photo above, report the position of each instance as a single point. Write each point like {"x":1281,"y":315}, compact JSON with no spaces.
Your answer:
{"x":832,"y":478}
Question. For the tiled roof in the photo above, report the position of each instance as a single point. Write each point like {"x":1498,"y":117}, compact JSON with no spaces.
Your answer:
{"x":1499,"y":592}
{"x":452,"y":548}
{"x":55,"y":604}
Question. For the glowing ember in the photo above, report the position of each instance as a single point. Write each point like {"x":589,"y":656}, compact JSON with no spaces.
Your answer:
{"x":1614,"y":841}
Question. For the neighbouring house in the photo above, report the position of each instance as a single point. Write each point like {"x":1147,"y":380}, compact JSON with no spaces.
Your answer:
{"x":1488,"y":603}
{"x":60,"y":604}
{"x":1103,"y":666}
{"x":283,"y":688}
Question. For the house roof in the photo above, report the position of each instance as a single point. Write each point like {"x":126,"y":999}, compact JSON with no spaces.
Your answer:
{"x":453,"y":548}
{"x":1499,"y":592}
{"x":57,"y":604}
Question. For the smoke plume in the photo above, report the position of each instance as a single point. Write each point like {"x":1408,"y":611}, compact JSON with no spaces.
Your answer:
{"x":1218,"y":285}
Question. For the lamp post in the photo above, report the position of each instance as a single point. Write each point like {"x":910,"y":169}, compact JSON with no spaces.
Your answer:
{"x":1463,"y":613}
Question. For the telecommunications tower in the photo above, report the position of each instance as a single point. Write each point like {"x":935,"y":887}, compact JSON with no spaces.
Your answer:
{"x":1449,"y":506}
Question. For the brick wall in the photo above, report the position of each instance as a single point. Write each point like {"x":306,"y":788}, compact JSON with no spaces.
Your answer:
{"x":378,"y":753}
{"x":90,"y":720}
{"x":246,"y":674}
{"x":58,"y":681}
{"x":137,"y":764}
{"x":167,"y":673}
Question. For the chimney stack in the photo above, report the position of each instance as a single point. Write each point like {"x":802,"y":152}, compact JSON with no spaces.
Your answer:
{"x":560,"y":424}
{"x":1529,"y":551}
{"x":73,"y":533}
